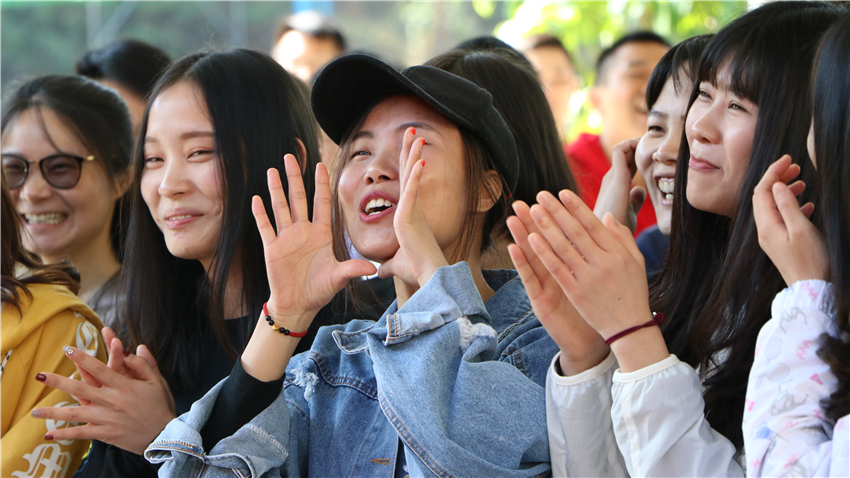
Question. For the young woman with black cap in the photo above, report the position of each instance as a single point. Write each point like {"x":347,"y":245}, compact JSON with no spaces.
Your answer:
{"x":450,"y":380}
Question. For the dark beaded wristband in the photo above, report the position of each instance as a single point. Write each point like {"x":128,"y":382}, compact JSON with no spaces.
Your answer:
{"x":277,"y":328}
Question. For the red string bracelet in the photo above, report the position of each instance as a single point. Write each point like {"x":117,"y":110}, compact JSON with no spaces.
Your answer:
{"x":282,"y":330}
{"x":657,"y":319}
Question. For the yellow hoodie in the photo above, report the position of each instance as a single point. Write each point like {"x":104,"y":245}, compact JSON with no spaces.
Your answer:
{"x":33,"y":343}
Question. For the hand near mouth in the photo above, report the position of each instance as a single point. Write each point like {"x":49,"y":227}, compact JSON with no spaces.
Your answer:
{"x":785,"y":232}
{"x":418,"y":255}
{"x":616,"y":194}
{"x":303,"y":272}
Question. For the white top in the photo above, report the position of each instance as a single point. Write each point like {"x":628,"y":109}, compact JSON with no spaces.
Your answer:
{"x":651,"y":422}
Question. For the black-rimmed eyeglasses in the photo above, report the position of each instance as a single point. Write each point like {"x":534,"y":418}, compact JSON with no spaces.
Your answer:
{"x":62,"y":171}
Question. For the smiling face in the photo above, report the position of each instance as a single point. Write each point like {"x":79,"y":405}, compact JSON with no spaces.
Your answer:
{"x":658,"y":149}
{"x":180,"y":182}
{"x":720,"y":128}
{"x":369,"y":183}
{"x":59,"y":223}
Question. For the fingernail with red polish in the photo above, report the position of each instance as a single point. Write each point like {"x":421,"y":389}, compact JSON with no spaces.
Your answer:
{"x":413,"y":131}
{"x":49,"y":436}
{"x":40,"y":377}
{"x":423,"y":163}
{"x":126,"y":353}
{"x":423,"y":141}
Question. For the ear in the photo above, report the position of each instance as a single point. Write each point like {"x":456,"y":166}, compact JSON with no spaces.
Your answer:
{"x":490,"y":192}
{"x":301,"y":154}
{"x":596,"y":94}
{"x":122,"y":183}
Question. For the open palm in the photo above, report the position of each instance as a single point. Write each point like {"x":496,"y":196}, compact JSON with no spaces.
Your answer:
{"x":303,"y":272}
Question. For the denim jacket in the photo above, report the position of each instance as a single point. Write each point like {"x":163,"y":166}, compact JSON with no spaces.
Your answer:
{"x":445,"y":384}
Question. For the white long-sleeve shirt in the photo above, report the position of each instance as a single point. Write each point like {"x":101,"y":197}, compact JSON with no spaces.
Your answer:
{"x":657,"y":425}
{"x":785,"y":430}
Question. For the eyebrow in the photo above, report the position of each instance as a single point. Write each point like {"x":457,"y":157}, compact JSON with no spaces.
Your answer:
{"x":402,"y":127}
{"x":185,"y":136}
{"x":636,"y":63}
{"x":659,"y":113}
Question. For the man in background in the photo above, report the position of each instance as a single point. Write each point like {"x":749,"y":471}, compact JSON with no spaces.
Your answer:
{"x":622,"y":72}
{"x":305,"y":42}
{"x":554,"y":66}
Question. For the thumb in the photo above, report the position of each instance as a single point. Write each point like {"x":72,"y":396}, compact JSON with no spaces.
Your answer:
{"x":637,"y":196}
{"x":351,"y":269}
{"x":625,"y":237}
{"x":386,"y":269}
{"x":144,"y":352}
{"x":141,"y":368}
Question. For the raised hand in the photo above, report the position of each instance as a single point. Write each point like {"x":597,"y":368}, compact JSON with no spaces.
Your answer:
{"x":785,"y":233}
{"x":303,"y":272}
{"x":123,"y":411}
{"x":419,"y":255}
{"x":581,"y":346}
{"x":616,"y":194}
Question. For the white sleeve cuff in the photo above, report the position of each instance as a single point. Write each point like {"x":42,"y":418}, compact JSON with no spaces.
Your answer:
{"x":622,"y":377}
{"x":585,"y":376}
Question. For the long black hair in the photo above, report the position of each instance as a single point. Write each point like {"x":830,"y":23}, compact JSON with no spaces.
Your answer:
{"x":258,"y":113}
{"x":96,"y":116}
{"x":519,"y":98}
{"x":717,"y":286}
{"x":831,"y":94}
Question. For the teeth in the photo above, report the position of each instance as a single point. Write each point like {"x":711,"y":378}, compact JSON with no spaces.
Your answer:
{"x":666,"y":185}
{"x":377,"y":203}
{"x":668,"y":197}
{"x":47,"y":218}
{"x":174,"y":218}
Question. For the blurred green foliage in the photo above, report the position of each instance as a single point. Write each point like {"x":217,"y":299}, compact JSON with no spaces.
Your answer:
{"x":587,"y":27}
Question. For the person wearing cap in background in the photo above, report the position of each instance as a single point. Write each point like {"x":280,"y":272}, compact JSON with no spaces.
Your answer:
{"x":449,"y":381}
{"x":622,"y":72}
{"x":305,"y":42}
{"x":554,"y":65}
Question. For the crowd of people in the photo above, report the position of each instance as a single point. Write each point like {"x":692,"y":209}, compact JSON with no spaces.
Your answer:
{"x":312,"y":263}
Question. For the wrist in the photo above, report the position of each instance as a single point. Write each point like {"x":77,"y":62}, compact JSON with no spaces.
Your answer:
{"x":429,"y":270}
{"x":640,"y":349}
{"x":287,"y":322}
{"x":576,"y":363}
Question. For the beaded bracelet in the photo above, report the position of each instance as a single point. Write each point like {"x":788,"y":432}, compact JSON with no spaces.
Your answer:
{"x":657,"y":319}
{"x":282,"y":330}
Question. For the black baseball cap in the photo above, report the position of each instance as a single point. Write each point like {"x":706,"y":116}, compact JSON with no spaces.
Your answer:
{"x":350,"y":84}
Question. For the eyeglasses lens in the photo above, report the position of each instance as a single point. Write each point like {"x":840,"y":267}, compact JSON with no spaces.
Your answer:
{"x":61,"y":172}
{"x":15,"y":171}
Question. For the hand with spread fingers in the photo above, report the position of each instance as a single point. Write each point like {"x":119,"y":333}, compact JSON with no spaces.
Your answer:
{"x":599,"y":268}
{"x":616,"y":194}
{"x":785,"y":232}
{"x":126,"y":409}
{"x":581,"y":346}
{"x":419,"y":255}
{"x":303,"y":272}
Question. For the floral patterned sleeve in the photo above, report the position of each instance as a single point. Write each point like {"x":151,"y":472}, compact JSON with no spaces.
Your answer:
{"x":785,"y":430}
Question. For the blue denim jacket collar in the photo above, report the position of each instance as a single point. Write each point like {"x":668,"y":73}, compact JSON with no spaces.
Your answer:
{"x":509,"y":303}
